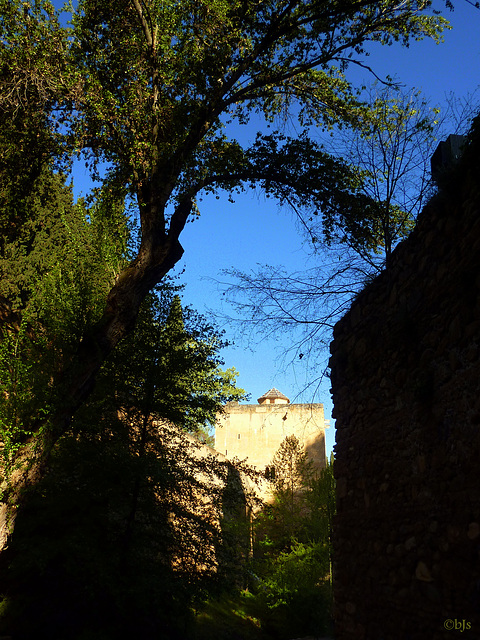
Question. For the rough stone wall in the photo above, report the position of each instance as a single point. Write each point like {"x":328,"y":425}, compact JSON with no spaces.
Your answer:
{"x":406,"y":389}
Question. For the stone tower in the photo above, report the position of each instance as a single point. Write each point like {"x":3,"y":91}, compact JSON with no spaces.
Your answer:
{"x":255,"y":431}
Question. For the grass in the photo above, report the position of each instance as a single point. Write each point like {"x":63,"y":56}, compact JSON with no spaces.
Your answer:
{"x":230,"y":618}
{"x":244,"y":616}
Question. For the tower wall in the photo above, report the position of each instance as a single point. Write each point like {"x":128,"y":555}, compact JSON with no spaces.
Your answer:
{"x":256,"y":431}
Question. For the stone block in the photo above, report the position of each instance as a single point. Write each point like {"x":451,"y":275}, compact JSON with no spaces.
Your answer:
{"x":341,"y":487}
{"x":422,"y":572}
{"x":473,"y":531}
{"x":411,"y":543}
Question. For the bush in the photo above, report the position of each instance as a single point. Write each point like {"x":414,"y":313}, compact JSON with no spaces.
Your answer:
{"x":294,"y":596}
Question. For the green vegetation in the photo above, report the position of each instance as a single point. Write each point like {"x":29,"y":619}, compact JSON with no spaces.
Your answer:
{"x":288,"y":585}
{"x":230,"y":617}
{"x":132,"y":528}
{"x":292,"y":557}
{"x":56,"y":265}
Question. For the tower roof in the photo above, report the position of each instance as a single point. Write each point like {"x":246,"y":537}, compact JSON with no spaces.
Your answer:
{"x":273,"y":396}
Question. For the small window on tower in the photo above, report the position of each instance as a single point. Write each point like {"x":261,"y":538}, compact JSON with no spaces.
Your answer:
{"x":238,"y":436}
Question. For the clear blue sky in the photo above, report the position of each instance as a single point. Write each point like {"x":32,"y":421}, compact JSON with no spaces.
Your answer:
{"x":255,"y":231}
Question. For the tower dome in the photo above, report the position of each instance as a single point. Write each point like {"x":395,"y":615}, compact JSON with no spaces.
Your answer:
{"x":274,"y":396}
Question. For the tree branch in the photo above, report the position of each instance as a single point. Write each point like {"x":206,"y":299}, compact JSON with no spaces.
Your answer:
{"x":146,"y":29}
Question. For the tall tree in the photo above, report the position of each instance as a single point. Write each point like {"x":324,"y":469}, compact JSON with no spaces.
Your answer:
{"x":151,"y":84}
{"x":158,"y":78}
{"x":55,"y":270}
{"x":290,"y":473}
{"x":166,"y":375}
{"x":392,"y":157}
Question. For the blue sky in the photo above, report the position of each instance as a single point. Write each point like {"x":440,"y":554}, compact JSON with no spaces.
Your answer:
{"x":255,"y":230}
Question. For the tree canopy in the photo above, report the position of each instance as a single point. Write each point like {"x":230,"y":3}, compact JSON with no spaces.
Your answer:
{"x":161,"y":80}
{"x":169,"y":367}
{"x":148,"y":87}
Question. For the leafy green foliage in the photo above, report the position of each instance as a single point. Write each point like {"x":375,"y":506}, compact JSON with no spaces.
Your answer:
{"x":289,"y":587}
{"x":36,"y":85}
{"x":294,"y":592}
{"x":54,"y":275}
{"x":300,"y":174}
{"x":147,"y":88}
{"x":189,"y":63}
{"x":170,"y":367}
{"x":292,"y":555}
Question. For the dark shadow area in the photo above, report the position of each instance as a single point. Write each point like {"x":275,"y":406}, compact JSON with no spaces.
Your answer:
{"x":315,"y":451}
{"x":405,"y":370}
{"x":233,"y":548}
{"x":117,"y":545}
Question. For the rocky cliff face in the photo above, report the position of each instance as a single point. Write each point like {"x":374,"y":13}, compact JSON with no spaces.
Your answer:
{"x":406,"y":389}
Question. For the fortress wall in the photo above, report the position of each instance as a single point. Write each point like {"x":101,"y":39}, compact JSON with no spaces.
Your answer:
{"x":406,"y":389}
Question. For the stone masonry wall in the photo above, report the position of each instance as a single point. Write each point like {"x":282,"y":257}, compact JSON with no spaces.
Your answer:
{"x":406,"y":389}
